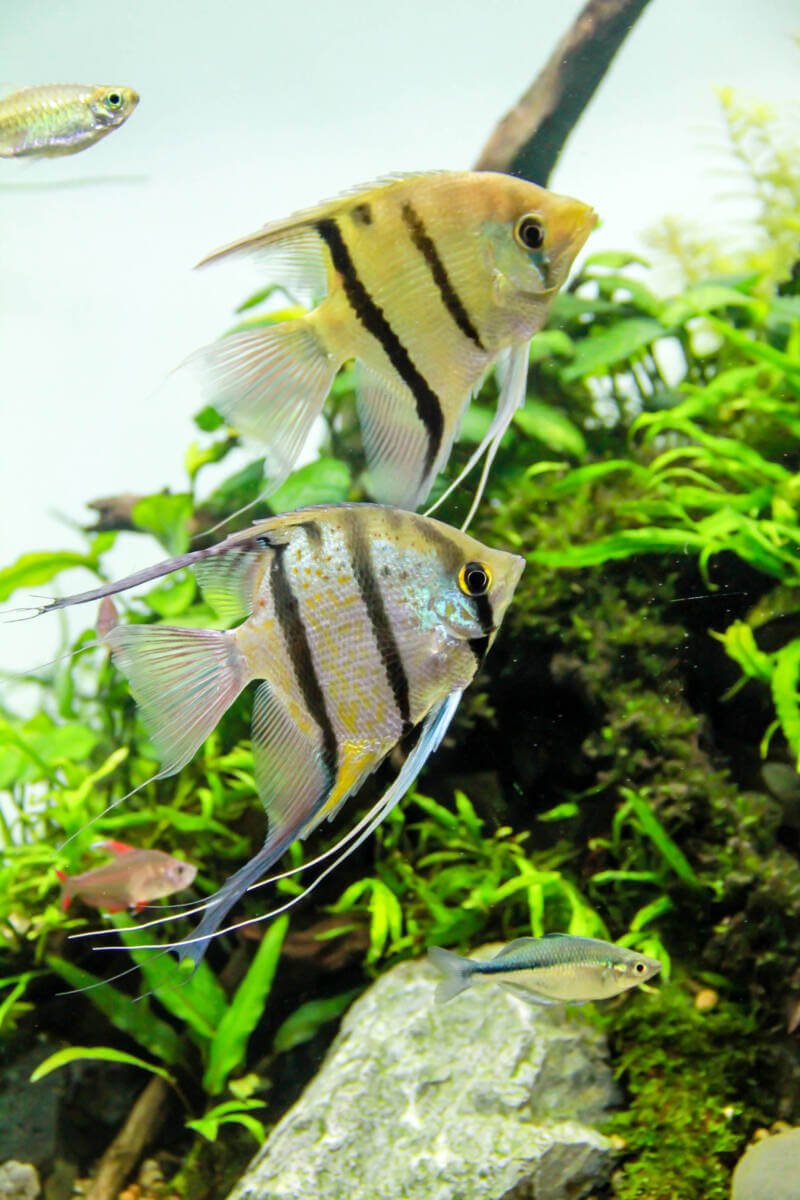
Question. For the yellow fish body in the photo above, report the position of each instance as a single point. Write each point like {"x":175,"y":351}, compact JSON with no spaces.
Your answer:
{"x":427,"y":278}
{"x":55,"y":119}
{"x":363,"y":622}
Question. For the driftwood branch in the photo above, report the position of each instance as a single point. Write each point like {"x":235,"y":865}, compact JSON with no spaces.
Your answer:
{"x":529,"y":138}
{"x":144,"y":1122}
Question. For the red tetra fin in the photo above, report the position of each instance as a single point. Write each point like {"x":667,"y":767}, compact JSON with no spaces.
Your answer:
{"x":114,"y":847}
{"x":65,"y":895}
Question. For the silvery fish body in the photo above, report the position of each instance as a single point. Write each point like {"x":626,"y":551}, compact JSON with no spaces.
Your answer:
{"x":134,"y":878}
{"x":61,"y":118}
{"x":556,"y":968}
{"x":426,"y":280}
{"x":363,"y":623}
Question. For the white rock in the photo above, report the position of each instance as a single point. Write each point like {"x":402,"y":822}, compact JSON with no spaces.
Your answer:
{"x":769,"y":1170}
{"x":18,"y":1181}
{"x":484,"y":1097}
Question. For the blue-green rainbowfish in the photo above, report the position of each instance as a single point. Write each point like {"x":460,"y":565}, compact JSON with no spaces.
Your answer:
{"x":555,"y":969}
{"x":427,"y":279}
{"x":61,"y":118}
{"x":363,"y":622}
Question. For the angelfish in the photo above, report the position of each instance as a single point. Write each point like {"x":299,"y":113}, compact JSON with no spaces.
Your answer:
{"x":133,"y":878}
{"x":558,"y":968}
{"x":362,"y":622}
{"x":55,"y":119}
{"x":427,"y":279}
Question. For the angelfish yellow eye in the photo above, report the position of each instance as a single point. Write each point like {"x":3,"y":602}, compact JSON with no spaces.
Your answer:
{"x":530,"y":232}
{"x":475,"y":579}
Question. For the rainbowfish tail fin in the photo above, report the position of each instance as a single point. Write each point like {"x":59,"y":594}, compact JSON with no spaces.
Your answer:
{"x":270,"y":384}
{"x":457,"y":972}
{"x":183,"y":681}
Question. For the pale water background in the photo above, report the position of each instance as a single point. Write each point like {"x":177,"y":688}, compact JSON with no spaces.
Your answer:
{"x":248,"y":111}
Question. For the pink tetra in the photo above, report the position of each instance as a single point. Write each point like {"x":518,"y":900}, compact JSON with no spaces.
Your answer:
{"x":131,"y":880}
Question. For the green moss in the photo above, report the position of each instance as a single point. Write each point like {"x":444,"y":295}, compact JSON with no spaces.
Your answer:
{"x":688,"y":1082}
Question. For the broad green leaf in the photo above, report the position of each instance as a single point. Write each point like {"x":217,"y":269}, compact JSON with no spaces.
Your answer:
{"x":231,"y":1112}
{"x":31,"y":570}
{"x":260,"y":296}
{"x":131,"y":1017}
{"x":208,"y":420}
{"x":172,"y":597}
{"x":306,"y":1021}
{"x":785,"y":677}
{"x":325,"y":481}
{"x":549,"y":425}
{"x":166,"y":517}
{"x":622,"y":545}
{"x":623,"y":341}
{"x":198,"y":456}
{"x":551,"y":343}
{"x":104,"y":1053}
{"x":238,"y":490}
{"x":740,"y":644}
{"x":229,"y":1045}
{"x":615,"y":260}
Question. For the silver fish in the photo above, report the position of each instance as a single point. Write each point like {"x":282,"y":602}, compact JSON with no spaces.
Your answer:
{"x":55,"y":119}
{"x":555,"y":969}
{"x":131,"y":880}
{"x":363,"y":622}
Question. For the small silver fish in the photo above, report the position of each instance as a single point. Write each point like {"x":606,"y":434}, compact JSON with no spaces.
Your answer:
{"x":131,"y":880}
{"x":555,"y":969}
{"x":359,"y":622}
{"x":61,"y":118}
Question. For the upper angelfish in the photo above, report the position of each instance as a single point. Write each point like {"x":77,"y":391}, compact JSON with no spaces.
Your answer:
{"x":54,"y":119}
{"x":363,"y":623}
{"x":426,"y":280}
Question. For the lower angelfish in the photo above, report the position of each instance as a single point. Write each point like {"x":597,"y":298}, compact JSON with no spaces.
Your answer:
{"x":362,"y":622}
{"x":555,"y":969}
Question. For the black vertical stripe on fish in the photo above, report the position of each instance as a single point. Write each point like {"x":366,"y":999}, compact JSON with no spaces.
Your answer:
{"x":371,"y":316}
{"x":364,"y":572}
{"x":450,"y":297}
{"x":483,"y":611}
{"x":288,"y":615}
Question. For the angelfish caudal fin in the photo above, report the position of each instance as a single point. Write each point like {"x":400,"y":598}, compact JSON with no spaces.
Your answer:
{"x":183,"y":681}
{"x":270,"y":385}
{"x":457,"y":972}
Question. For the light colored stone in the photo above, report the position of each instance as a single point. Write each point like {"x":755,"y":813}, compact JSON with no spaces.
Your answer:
{"x":769,"y":1170}
{"x":485,"y":1097}
{"x":18,"y":1181}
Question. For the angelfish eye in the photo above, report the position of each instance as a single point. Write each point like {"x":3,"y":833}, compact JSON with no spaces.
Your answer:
{"x":113,"y":99}
{"x":474,"y":579}
{"x":530,"y":233}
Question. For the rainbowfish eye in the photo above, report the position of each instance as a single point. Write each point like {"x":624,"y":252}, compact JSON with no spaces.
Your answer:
{"x":530,"y":233}
{"x":639,"y":968}
{"x":113,"y":100}
{"x":474,"y":579}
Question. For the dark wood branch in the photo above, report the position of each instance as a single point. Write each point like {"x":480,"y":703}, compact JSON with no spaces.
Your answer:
{"x":144,"y":1122}
{"x":529,"y":138}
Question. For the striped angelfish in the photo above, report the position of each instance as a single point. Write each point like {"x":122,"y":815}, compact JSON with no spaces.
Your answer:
{"x":426,"y":280}
{"x":362,"y":622}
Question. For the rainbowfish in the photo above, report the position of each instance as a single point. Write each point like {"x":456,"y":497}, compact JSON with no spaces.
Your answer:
{"x":364,"y":623}
{"x":427,"y":280}
{"x":555,"y":969}
{"x":61,"y":118}
{"x":133,"y":878}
